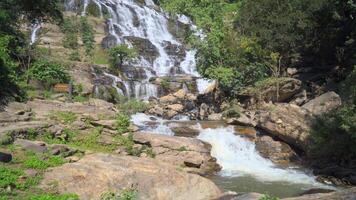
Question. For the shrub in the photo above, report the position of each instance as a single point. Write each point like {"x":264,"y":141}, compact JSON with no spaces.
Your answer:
{"x":70,"y":29}
{"x":122,"y":123}
{"x":268,"y":197}
{"x":48,"y":73}
{"x":87,"y":33}
{"x":133,"y":106}
{"x":74,"y":56}
{"x":119,"y":54}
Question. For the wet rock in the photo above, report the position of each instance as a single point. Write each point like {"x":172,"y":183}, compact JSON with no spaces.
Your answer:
{"x":145,"y":48}
{"x":179,"y":151}
{"x":249,"y":132}
{"x":34,"y":146}
{"x":215,"y":117}
{"x":347,"y":194}
{"x":168,"y":99}
{"x":109,"y":42}
{"x":115,"y":173}
{"x":278,"y":152}
{"x":204,"y":111}
{"x":324,"y":103}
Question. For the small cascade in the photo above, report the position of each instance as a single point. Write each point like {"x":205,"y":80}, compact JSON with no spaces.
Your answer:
{"x":238,"y":157}
{"x":34,"y":30}
{"x":151,"y":124}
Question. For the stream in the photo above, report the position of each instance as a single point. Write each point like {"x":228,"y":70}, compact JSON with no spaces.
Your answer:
{"x":243,"y":168}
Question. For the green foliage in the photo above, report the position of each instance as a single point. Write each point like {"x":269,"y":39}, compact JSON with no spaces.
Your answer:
{"x":74,"y":56}
{"x":119,"y":54}
{"x":49,"y":73}
{"x":165,"y":84}
{"x":132,"y":106}
{"x":125,"y":194}
{"x":233,"y":111}
{"x":334,"y":133}
{"x":225,"y":76}
{"x":70,"y":30}
{"x":93,"y":10}
{"x":268,"y":197}
{"x":9,"y":177}
{"x":35,"y":161}
{"x":66,"y":117}
{"x":54,"y":197}
{"x":100,"y":56}
{"x":87,"y":34}
{"x":122,"y":123}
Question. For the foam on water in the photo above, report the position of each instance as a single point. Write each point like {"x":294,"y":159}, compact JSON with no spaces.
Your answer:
{"x":238,"y":157}
{"x":146,"y":121}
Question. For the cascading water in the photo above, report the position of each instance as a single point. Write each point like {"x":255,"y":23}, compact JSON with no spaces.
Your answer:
{"x":34,"y":30}
{"x":129,"y":18}
{"x":243,"y":168}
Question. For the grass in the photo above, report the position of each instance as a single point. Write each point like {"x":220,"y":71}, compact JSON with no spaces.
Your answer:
{"x":41,"y":162}
{"x":268,"y":197}
{"x":122,"y":123}
{"x":65,"y":117}
{"x":133,"y":106}
{"x":100,"y":56}
{"x":125,"y":194}
{"x":23,"y":186}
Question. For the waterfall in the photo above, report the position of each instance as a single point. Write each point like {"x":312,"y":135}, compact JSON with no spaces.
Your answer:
{"x":142,"y":120}
{"x":128,"y":18}
{"x":34,"y":30}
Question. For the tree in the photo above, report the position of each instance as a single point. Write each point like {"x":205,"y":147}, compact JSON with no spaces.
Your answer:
{"x":119,"y":54}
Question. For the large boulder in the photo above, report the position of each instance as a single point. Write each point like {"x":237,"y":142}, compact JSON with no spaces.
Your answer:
{"x":96,"y":174}
{"x":287,"y":122}
{"x":82,"y":75}
{"x":277,"y":151}
{"x":286,"y":88}
{"x":324,"y":103}
{"x":192,"y":154}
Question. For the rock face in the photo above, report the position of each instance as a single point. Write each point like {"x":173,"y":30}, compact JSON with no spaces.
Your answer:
{"x":348,"y":194}
{"x":99,"y":173}
{"x":278,"y":152}
{"x":288,"y":122}
{"x":323,"y":103}
{"x":190,"y":153}
{"x":82,"y":75}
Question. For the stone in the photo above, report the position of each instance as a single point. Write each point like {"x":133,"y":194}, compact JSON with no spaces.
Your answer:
{"x":288,"y":122}
{"x":278,"y":152}
{"x":80,"y":125}
{"x":323,"y":103}
{"x":249,"y":132}
{"x":176,"y":107}
{"x":170,"y":114}
{"x":168,"y":99}
{"x":191,"y":97}
{"x":242,"y":120}
{"x":180,"y":94}
{"x":5,"y":157}
{"x":34,"y":146}
{"x":203,"y":111}
{"x":109,"y":124}
{"x":21,"y":128}
{"x":344,"y":194}
{"x":72,"y":159}
{"x":292,"y":71}
{"x":215,"y":117}
{"x":96,"y":174}
{"x":180,"y":151}
{"x":17,"y":108}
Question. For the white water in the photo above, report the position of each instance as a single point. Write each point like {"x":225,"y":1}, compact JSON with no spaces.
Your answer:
{"x":34,"y":30}
{"x":238,"y":157}
{"x":143,"y":120}
{"x":129,"y":18}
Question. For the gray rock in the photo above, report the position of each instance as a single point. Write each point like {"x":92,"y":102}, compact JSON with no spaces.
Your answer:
{"x":34,"y":146}
{"x":5,"y":157}
{"x":324,"y":103}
